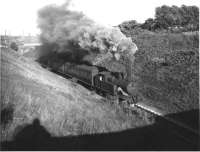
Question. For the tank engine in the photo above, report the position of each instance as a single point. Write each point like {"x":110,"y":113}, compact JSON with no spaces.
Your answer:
{"x":100,"y":80}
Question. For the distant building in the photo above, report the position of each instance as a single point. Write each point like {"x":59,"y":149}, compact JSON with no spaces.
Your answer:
{"x":20,"y":44}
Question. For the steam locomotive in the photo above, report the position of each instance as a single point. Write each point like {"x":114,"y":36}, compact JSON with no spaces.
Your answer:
{"x":113,"y":85}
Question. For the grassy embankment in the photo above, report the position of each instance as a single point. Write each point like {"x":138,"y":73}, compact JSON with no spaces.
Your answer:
{"x":64,"y":108}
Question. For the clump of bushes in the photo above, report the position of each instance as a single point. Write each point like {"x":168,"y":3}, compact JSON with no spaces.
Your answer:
{"x":14,"y":46}
{"x":173,"y":19}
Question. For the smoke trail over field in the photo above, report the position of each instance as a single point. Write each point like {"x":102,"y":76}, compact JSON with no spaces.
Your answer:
{"x":67,"y":29}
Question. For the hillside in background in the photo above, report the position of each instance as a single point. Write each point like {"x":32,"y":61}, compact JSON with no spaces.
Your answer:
{"x":64,"y":108}
{"x":166,"y":68}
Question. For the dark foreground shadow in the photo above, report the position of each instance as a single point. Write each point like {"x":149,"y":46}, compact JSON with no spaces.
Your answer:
{"x":158,"y":136}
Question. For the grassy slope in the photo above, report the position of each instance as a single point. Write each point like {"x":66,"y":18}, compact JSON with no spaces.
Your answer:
{"x":64,"y":108}
{"x":174,"y":85}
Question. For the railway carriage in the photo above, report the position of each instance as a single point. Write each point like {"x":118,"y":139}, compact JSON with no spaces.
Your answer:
{"x":82,"y":73}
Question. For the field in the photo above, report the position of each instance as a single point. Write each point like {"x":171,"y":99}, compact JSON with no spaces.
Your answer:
{"x":166,"y":69}
{"x":64,"y":108}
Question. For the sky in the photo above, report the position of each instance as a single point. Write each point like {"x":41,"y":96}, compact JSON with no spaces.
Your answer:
{"x":19,"y":17}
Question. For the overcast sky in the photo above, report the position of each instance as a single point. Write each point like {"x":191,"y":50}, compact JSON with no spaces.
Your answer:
{"x":20,"y":16}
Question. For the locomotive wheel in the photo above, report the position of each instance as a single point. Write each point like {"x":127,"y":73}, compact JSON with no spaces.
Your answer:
{"x":93,"y":90}
{"x":101,"y":93}
{"x":98,"y":91}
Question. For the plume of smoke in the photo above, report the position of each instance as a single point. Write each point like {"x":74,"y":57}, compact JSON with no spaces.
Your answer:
{"x":64,"y":27}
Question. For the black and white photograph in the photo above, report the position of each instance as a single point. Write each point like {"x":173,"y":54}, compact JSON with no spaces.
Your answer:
{"x":99,"y":75}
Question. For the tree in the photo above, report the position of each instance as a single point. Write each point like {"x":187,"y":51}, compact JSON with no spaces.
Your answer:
{"x":164,"y":16}
{"x":174,"y":18}
{"x":150,"y":24}
{"x":184,"y":16}
{"x":129,"y":25}
{"x":14,"y":46}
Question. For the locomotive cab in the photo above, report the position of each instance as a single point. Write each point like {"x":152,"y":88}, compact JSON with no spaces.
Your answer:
{"x":101,"y":83}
